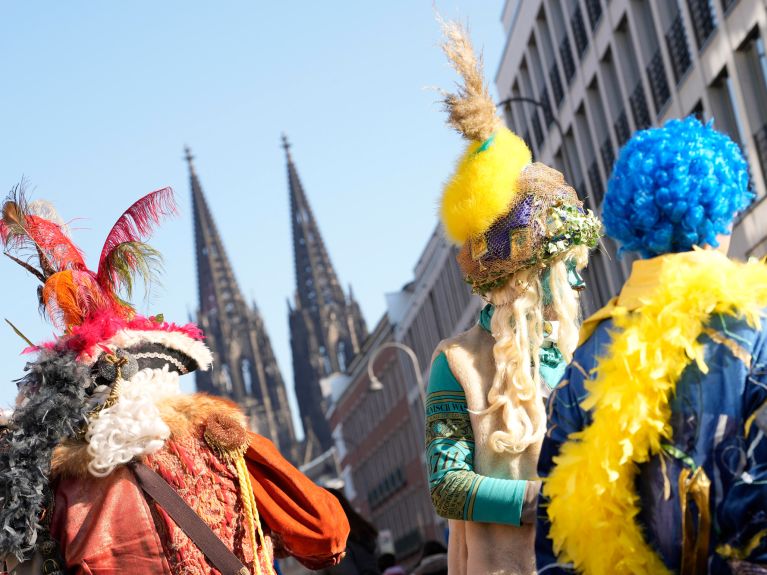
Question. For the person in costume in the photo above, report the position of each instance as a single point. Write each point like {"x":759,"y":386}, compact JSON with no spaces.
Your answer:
{"x":523,"y":237}
{"x":105,"y":466}
{"x":655,"y":460}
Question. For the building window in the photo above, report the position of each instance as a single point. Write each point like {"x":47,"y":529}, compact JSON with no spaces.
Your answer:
{"x":341,"y":353}
{"x":325,"y":365}
{"x":608,"y":155}
{"x":656,"y":76}
{"x":595,"y":181}
{"x":597,"y":113}
{"x":247,"y":378}
{"x":678,"y":49}
{"x":225,"y":381}
{"x":697,"y":110}
{"x":594,"y":9}
{"x":548,"y":114}
{"x":703,"y":20}
{"x":568,"y":63}
{"x":559,"y":26}
{"x":528,"y":92}
{"x":723,"y":106}
{"x":573,"y":159}
{"x":639,"y":110}
{"x":751,"y":65}
{"x":622,"y":130}
{"x":549,"y":55}
{"x":579,"y":30}
{"x":537,"y":130}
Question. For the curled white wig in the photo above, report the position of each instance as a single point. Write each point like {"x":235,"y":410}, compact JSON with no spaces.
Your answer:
{"x":132,"y":426}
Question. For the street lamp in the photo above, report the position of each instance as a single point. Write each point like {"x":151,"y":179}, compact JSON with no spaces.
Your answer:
{"x":377,"y":385}
{"x":506,"y":104}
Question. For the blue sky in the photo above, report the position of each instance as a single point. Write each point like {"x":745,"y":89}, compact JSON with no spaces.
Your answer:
{"x":99,"y":99}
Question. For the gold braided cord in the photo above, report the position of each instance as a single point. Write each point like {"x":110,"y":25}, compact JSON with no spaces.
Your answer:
{"x":252,"y":518}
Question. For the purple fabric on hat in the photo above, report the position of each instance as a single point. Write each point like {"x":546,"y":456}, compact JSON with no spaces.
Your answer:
{"x":498,"y":238}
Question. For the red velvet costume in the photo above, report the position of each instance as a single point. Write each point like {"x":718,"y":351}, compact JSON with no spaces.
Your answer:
{"x":106,"y":525}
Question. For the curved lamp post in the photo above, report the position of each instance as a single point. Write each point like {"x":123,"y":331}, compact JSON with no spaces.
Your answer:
{"x":377,"y":385}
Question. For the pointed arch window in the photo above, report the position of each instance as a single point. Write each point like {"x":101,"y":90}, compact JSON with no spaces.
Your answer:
{"x":247,"y":378}
{"x":226,"y":379}
{"x":325,"y":361}
{"x":341,"y":352}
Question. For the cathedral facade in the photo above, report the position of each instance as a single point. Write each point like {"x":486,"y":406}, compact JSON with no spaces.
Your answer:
{"x":327,"y":328}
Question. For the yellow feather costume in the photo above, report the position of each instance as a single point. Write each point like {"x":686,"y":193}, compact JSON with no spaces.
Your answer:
{"x":593,"y":504}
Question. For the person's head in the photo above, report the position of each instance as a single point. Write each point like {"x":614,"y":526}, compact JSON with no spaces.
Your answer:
{"x":360,"y":528}
{"x":386,"y":560}
{"x":675,"y":187}
{"x":432,"y":547}
{"x":524,"y":235}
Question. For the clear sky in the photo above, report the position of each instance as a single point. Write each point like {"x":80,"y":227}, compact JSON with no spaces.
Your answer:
{"x":99,"y":98}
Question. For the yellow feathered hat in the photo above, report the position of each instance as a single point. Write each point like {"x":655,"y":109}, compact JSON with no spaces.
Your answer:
{"x":506,"y":212}
{"x":485,"y":181}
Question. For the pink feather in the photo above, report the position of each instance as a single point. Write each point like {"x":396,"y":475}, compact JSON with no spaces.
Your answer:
{"x":137,"y":223}
{"x":103,"y":325}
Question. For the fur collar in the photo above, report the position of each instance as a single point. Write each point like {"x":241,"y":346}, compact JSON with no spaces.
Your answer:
{"x":183,"y":414}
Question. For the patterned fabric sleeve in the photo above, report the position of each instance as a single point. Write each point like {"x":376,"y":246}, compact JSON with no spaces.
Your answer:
{"x":457,"y":491}
{"x":741,"y":514}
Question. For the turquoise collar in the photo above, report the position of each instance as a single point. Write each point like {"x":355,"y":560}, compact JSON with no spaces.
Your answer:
{"x":485,"y":316}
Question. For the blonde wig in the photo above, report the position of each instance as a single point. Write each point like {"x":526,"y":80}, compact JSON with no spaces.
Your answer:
{"x":517,"y":327}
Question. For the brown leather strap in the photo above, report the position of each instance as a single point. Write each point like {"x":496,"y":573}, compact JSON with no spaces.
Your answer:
{"x":190,"y":523}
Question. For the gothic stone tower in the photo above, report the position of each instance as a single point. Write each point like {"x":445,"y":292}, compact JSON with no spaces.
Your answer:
{"x":244,"y":369}
{"x":326,"y":326}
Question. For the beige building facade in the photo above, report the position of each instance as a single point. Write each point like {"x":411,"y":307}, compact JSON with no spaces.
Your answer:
{"x":581,"y":76}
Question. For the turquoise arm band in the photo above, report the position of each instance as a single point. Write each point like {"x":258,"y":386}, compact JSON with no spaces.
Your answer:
{"x":457,"y":491}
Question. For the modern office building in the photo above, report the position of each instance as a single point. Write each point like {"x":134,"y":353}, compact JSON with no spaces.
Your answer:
{"x":580,"y":76}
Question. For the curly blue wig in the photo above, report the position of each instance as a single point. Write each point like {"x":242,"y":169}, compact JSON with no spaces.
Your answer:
{"x":675,"y":187}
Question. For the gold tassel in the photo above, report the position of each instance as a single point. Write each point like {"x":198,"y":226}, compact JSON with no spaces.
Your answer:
{"x":229,"y":440}
{"x":251,"y":515}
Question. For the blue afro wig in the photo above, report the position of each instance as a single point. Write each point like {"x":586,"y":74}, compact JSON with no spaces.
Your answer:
{"x":675,"y":187}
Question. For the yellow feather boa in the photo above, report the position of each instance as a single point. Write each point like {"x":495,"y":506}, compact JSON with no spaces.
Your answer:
{"x":593,"y":504}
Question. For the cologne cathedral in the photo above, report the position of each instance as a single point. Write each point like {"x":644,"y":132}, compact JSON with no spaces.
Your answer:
{"x":327,"y":328}
{"x":326,"y":325}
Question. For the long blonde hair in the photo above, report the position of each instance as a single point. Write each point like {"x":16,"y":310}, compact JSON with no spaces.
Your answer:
{"x":517,"y":327}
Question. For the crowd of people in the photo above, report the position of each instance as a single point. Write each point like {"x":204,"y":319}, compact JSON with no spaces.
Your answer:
{"x":363,"y":556}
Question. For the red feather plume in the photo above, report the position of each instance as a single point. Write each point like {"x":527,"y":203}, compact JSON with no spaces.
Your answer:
{"x":58,"y":249}
{"x":135,"y":225}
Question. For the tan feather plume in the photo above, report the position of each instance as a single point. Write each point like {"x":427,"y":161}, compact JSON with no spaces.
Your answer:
{"x":471,"y":110}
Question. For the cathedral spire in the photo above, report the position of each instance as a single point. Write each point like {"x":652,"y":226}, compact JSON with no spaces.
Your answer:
{"x":326,"y":328}
{"x":245,"y":369}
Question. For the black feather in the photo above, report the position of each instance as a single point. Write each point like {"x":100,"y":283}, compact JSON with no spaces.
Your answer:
{"x":55,"y":388}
